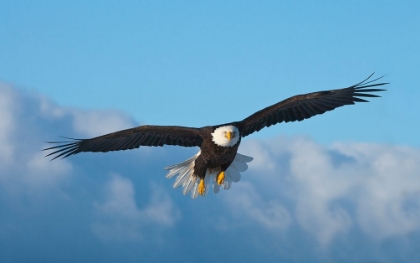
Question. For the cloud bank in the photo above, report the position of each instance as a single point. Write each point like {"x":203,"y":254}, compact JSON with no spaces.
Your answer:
{"x":300,"y":201}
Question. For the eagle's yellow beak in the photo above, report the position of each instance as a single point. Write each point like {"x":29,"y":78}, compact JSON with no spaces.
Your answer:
{"x":228,"y":135}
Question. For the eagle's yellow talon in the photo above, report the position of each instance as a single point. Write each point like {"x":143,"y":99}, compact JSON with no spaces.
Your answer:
{"x":201,"y":187}
{"x":220,"y":178}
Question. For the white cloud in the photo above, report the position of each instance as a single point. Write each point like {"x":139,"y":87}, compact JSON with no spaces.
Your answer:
{"x":7,"y":122}
{"x":24,"y":170}
{"x":265,"y":161}
{"x":27,"y":120}
{"x":95,"y":123}
{"x":41,"y":171}
{"x":50,"y":109}
{"x":120,"y":218}
{"x":318,"y":184}
{"x":296,"y":189}
{"x":381,"y":181}
{"x":389,"y":201}
{"x":248,"y":207}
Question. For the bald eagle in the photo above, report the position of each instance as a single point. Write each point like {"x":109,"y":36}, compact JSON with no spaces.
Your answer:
{"x":218,"y":162}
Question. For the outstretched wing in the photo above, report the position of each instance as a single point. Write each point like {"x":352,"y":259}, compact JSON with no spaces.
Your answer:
{"x":300,"y":107}
{"x":129,"y":139}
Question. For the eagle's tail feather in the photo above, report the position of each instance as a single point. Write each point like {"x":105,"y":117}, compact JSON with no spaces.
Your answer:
{"x":189,"y":181}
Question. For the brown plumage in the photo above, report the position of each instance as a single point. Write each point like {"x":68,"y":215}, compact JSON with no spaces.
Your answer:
{"x":213,"y":155}
{"x":300,"y":107}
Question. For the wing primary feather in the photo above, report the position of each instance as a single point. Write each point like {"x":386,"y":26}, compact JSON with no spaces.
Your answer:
{"x":58,"y":146}
{"x":304,"y":106}
{"x":64,"y":152}
{"x":365,"y":82}
{"x":61,"y":150}
{"x":365,"y":95}
{"x":360,"y":100}
{"x":145,"y":135}
{"x":369,"y":90}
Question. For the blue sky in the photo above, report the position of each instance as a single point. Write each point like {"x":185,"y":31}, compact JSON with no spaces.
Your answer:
{"x":185,"y":63}
{"x":341,"y":187}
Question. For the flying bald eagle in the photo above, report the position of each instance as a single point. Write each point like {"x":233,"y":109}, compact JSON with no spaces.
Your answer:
{"x":218,"y":161}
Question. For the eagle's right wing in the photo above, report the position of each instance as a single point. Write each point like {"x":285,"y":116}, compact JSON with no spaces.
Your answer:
{"x":145,"y":135}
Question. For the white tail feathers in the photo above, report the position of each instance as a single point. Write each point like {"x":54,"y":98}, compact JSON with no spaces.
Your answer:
{"x":189,"y":181}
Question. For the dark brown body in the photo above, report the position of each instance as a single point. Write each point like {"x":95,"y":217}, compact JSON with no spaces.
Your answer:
{"x":213,"y":156}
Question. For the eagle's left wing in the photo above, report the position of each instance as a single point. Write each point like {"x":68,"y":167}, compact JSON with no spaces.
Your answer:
{"x":300,"y":107}
{"x":146,"y":135}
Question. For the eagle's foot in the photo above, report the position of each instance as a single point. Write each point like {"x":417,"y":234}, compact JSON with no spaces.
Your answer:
{"x":220,"y":178}
{"x":201,"y":187}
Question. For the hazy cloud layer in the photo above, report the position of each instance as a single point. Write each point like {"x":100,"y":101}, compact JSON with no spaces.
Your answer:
{"x":375,"y":188}
{"x":120,"y":217}
{"x":299,"y":201}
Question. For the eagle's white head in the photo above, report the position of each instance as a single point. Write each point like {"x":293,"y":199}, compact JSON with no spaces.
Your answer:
{"x":226,"y":136}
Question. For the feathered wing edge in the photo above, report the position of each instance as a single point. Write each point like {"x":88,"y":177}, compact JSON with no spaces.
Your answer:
{"x":145,"y":135}
{"x":304,"y":106}
{"x":363,"y":87}
{"x":63,"y":149}
{"x":189,"y":181}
